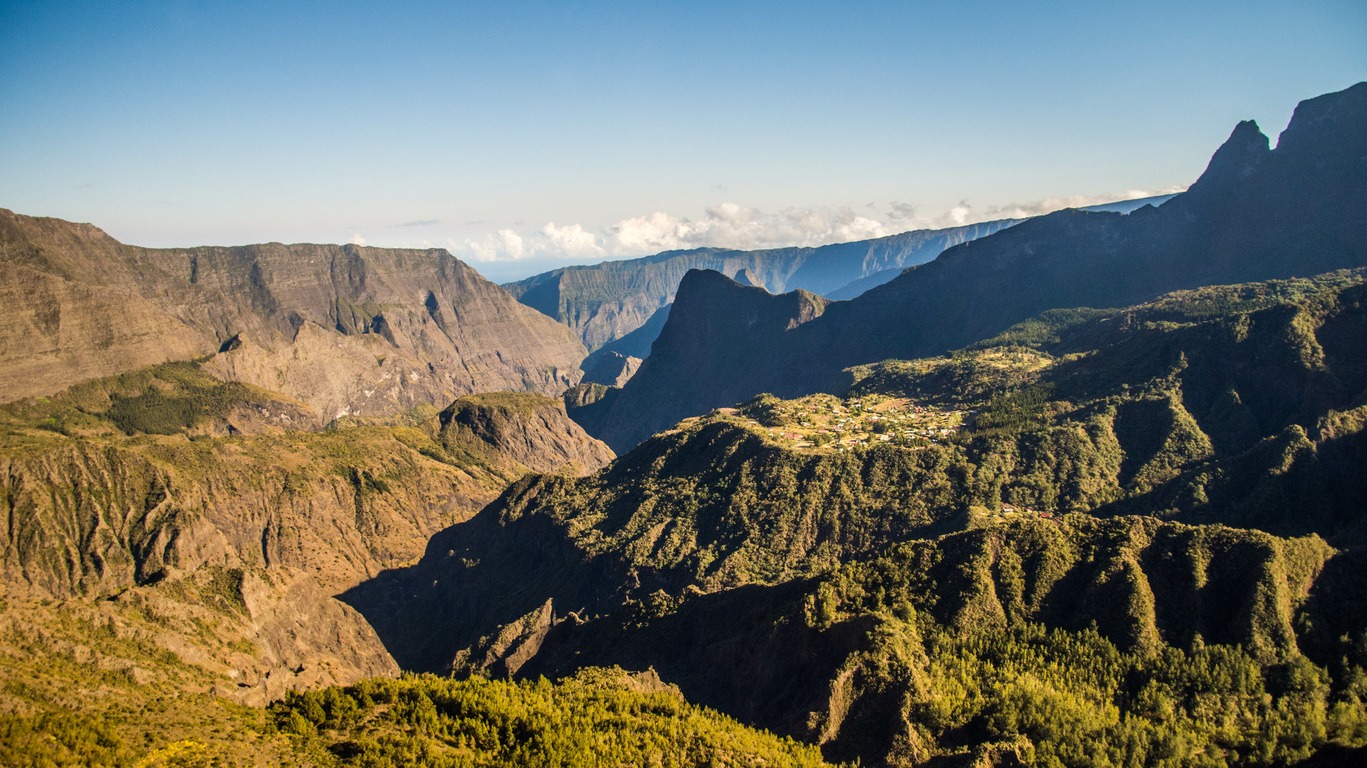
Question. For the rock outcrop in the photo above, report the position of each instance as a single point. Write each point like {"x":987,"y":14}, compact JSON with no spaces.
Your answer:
{"x":211,"y":525}
{"x":343,"y":328}
{"x":738,"y":331}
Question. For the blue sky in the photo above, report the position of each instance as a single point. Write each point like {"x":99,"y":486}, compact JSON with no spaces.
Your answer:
{"x":583,"y":131}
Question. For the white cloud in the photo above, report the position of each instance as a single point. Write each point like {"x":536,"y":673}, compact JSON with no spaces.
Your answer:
{"x":503,"y":245}
{"x":1051,"y":204}
{"x":732,"y":225}
{"x":358,"y":239}
{"x":572,"y":240}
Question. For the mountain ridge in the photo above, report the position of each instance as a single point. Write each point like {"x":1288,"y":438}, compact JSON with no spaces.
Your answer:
{"x":607,"y":301}
{"x":1254,"y":214}
{"x":319,"y":323}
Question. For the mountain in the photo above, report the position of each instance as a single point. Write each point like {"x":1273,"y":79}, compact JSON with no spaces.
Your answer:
{"x":1077,"y":539}
{"x":190,"y":534}
{"x":1128,"y":206}
{"x":1255,"y":214}
{"x":607,"y":301}
{"x":343,"y":329}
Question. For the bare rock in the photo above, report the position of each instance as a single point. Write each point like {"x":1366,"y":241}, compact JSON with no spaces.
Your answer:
{"x":344,"y":329}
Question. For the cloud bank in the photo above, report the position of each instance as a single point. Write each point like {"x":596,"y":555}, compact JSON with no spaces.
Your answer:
{"x":731,"y":225}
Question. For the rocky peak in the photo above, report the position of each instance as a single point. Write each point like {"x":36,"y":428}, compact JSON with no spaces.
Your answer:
{"x":712,"y":310}
{"x":718,"y":333}
{"x":1235,"y":160}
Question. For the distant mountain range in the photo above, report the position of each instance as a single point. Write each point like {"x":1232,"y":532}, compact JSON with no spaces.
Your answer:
{"x":1256,"y":213}
{"x":343,"y":328}
{"x":620,"y":306}
{"x":605,"y":302}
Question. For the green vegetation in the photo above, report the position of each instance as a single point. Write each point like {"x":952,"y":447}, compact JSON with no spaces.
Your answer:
{"x":165,"y":399}
{"x":82,"y":686}
{"x":997,"y":570}
{"x":92,"y":684}
{"x":1013,"y":590}
{"x":597,"y":717}
{"x":1080,"y":642}
{"x":1080,"y":645}
{"x":516,"y":402}
{"x":964,"y":379}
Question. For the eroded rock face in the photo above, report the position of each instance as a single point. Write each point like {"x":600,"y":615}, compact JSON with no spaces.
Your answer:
{"x":738,"y":333}
{"x":249,"y":635}
{"x":345,"y":329}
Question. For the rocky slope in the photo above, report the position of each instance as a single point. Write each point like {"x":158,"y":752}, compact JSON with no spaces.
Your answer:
{"x":1255,"y":214}
{"x":607,"y":301}
{"x":345,"y":329}
{"x":107,"y":488}
{"x":209,"y":524}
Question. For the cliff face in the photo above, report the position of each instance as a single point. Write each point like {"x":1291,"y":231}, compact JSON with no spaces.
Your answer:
{"x":611,"y":369}
{"x":248,"y":635}
{"x":605,"y":302}
{"x":1255,"y":214}
{"x":91,"y":517}
{"x":737,"y":330}
{"x":109,"y":485}
{"x":346,"y":329}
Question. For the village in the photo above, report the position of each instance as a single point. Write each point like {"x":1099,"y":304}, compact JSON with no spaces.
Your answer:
{"x":824,"y":422}
{"x":828,"y":424}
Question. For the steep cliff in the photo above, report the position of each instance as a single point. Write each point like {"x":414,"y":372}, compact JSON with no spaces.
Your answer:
{"x":145,"y":477}
{"x":739,"y":331}
{"x":612,"y":369}
{"x":345,"y":329}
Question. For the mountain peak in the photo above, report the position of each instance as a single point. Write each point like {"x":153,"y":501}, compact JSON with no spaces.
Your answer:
{"x":1244,"y":150}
